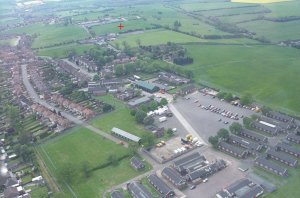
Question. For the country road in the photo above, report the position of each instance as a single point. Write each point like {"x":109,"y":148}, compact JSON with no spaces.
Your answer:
{"x":68,"y":116}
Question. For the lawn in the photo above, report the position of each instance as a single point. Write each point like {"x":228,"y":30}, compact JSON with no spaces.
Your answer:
{"x":273,"y":30}
{"x":251,"y":69}
{"x":63,"y":50}
{"x":49,"y":35}
{"x":80,"y":145}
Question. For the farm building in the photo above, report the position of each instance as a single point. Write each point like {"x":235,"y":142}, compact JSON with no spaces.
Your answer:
{"x":288,"y":149}
{"x":125,"y":135}
{"x":187,"y":90}
{"x":174,"y":177}
{"x":279,"y":116}
{"x":233,"y":150}
{"x":116,"y":194}
{"x":293,"y":138}
{"x":253,"y":135}
{"x":172,"y":79}
{"x":265,"y":127}
{"x":182,"y":165}
{"x":146,"y":86}
{"x":137,"y":102}
{"x":271,"y":166}
{"x":243,"y":188}
{"x":136,"y":163}
{"x":160,"y":186}
{"x":252,"y":147}
{"x":282,"y":157}
{"x":137,"y":190}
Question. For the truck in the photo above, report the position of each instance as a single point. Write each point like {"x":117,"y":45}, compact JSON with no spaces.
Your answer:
{"x":162,"y":119}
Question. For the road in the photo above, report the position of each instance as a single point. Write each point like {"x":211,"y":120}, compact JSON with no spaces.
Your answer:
{"x":68,"y":116}
{"x":81,"y":70}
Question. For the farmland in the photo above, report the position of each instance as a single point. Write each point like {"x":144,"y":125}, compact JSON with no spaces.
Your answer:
{"x":81,"y":145}
{"x":64,"y":50}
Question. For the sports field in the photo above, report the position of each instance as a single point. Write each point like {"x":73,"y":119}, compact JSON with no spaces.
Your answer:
{"x":270,"y":73}
{"x":81,"y":145}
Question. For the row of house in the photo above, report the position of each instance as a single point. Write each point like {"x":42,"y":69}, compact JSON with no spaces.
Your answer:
{"x":282,"y":157}
{"x":271,"y":166}
{"x":160,"y":186}
{"x":74,"y":107}
{"x":293,"y":138}
{"x":265,"y":127}
{"x":252,"y":147}
{"x":232,"y":150}
{"x":288,"y":149}
{"x":279,"y":116}
{"x":174,"y":177}
{"x":85,"y":62}
{"x":253,"y":136}
{"x":137,"y":190}
{"x":16,"y":81}
{"x":69,"y":69}
{"x":36,"y":76}
{"x":190,"y":163}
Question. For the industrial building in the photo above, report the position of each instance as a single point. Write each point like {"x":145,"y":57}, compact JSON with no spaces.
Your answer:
{"x":125,"y":135}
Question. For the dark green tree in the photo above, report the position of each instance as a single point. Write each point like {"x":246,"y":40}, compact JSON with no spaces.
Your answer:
{"x":235,"y":128}
{"x":148,"y":120}
{"x":140,"y":116}
{"x":214,"y":140}
{"x":246,"y":99}
{"x":223,"y":134}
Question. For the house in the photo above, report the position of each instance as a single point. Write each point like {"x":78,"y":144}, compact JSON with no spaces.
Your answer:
{"x":288,"y":149}
{"x":116,"y":194}
{"x":265,"y":127}
{"x":253,"y":135}
{"x":137,"y":190}
{"x":146,"y":86}
{"x":185,"y":164}
{"x":136,"y":163}
{"x":282,"y":157}
{"x":252,"y":147}
{"x":139,"y":101}
{"x":160,"y":186}
{"x":271,"y":166}
{"x":279,"y":116}
{"x":127,"y":94}
{"x":293,"y":138}
{"x":233,"y":150}
{"x":125,"y":135}
{"x":187,"y":90}
{"x":97,"y":90}
{"x":243,"y":188}
{"x":111,"y":82}
{"x":174,"y":177}
{"x":172,"y":78}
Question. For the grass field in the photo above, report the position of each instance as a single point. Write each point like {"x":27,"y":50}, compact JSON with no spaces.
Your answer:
{"x":258,"y":1}
{"x":234,"y":11}
{"x":48,"y":35}
{"x":274,"y":31}
{"x":206,"y":5}
{"x":63,"y":51}
{"x":270,"y":73}
{"x":283,"y":9}
{"x":239,"y":18}
{"x":10,"y":42}
{"x":81,"y":145}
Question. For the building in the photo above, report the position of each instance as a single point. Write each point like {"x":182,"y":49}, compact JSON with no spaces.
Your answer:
{"x":137,"y":102}
{"x":174,"y":177}
{"x":233,"y":150}
{"x":97,"y":90}
{"x":146,"y":86}
{"x":279,"y":116}
{"x":187,"y":90}
{"x":116,"y":194}
{"x":125,"y":135}
{"x":172,"y":78}
{"x":288,"y":149}
{"x":293,"y":138}
{"x":111,"y":83}
{"x":243,"y":188}
{"x":265,"y":127}
{"x":11,"y":192}
{"x":253,"y":135}
{"x":252,"y":147}
{"x":271,"y":166}
{"x":160,"y":186}
{"x":187,"y":163}
{"x":137,"y":190}
{"x":136,"y":163}
{"x":282,"y":157}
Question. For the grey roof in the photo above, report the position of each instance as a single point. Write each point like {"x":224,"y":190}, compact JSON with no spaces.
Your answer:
{"x":289,"y":148}
{"x":146,"y":85}
{"x":173,"y":175}
{"x":260,"y":126}
{"x":11,"y":192}
{"x":232,"y":148}
{"x":270,"y":164}
{"x":254,"y":134}
{"x":161,"y":186}
{"x":116,"y":194}
{"x":97,"y":88}
{"x":293,"y":136}
{"x":139,"y":101}
{"x":137,"y":190}
{"x":245,"y":143}
{"x":136,"y":162}
{"x":125,"y":134}
{"x":253,"y":192}
{"x":279,"y":116}
{"x":238,"y":185}
{"x":281,"y":155}
{"x":187,"y":159}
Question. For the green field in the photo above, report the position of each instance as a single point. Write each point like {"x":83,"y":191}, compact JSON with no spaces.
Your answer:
{"x":64,"y":50}
{"x":234,"y":11}
{"x":284,"y":9}
{"x":49,"y":35}
{"x":274,"y":31}
{"x":81,"y":145}
{"x":128,"y":25}
{"x":209,"y":5}
{"x":10,"y":42}
{"x":270,"y":73}
{"x":239,"y":18}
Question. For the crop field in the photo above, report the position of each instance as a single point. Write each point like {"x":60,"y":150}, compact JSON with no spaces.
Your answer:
{"x":209,"y":5}
{"x":81,"y":145}
{"x":284,"y":9}
{"x":251,"y":69}
{"x":64,"y":50}
{"x":128,"y":25}
{"x":49,"y":35}
{"x":274,"y":31}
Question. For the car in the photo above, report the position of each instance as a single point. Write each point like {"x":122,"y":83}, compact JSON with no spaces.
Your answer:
{"x":205,"y":180}
{"x":192,"y":187}
{"x":225,"y":122}
{"x":187,"y":98}
{"x":196,"y":101}
{"x":220,"y":120}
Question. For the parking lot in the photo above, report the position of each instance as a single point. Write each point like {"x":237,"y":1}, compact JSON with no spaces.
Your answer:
{"x":204,"y":121}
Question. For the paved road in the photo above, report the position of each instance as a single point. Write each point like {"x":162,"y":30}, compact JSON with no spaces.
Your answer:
{"x":83,"y":71}
{"x":68,"y":116}
{"x":185,"y":123}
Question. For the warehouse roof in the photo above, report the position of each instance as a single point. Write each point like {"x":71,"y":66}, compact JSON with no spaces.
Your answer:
{"x":125,"y":134}
{"x":136,"y":102}
{"x":146,"y":85}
